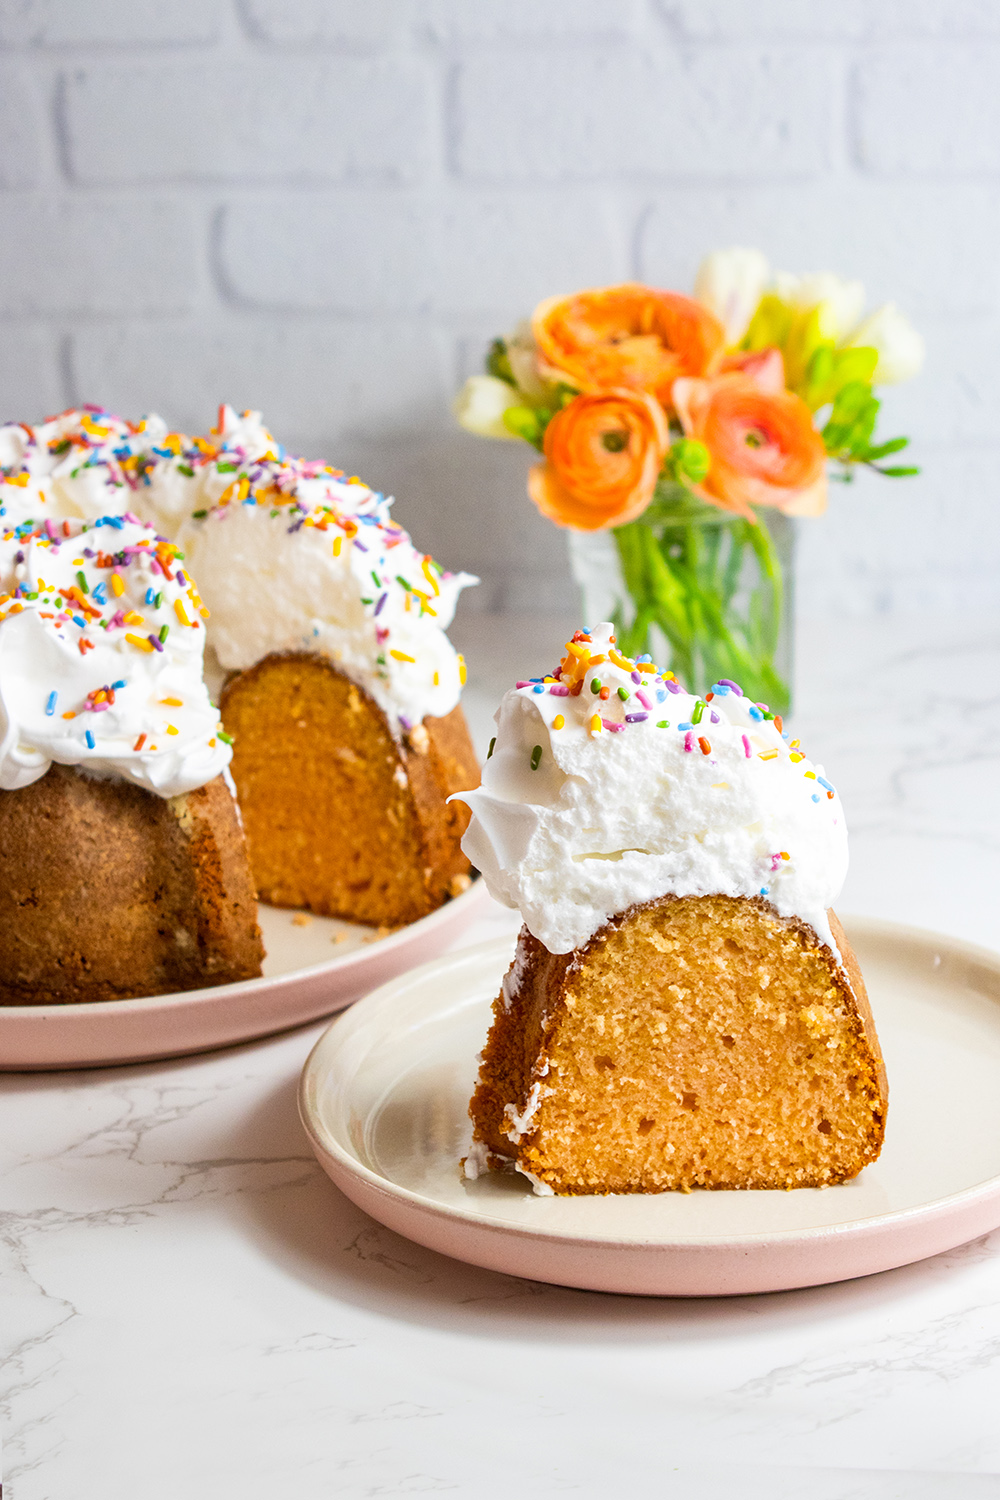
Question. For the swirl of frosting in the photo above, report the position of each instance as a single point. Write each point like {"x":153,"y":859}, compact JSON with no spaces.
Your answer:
{"x":609,"y":785}
{"x":101,"y":644}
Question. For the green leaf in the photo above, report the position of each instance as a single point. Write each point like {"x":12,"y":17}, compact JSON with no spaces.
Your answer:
{"x":806,"y":336}
{"x":850,"y":401}
{"x":853,"y":366}
{"x":897,"y":471}
{"x":832,"y":370}
{"x":859,"y":435}
{"x":884,"y":449}
{"x":852,"y":420}
{"x":525,"y":423}
{"x":498,"y":363}
{"x":818,"y":377}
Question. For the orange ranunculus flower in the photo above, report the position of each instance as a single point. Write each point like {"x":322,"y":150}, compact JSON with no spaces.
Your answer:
{"x":763,"y":447}
{"x":766,"y":367}
{"x":603,"y":454}
{"x":629,"y":336}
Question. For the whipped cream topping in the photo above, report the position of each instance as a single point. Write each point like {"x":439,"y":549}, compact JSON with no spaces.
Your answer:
{"x":292,"y":555}
{"x":85,"y":462}
{"x":608,"y":785}
{"x":101,"y":643}
{"x":192,"y":474}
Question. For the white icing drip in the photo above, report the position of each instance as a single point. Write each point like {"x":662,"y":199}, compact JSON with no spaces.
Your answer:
{"x":541,"y":1189}
{"x":520,"y":1120}
{"x":476,"y":1162}
{"x":512,"y":978}
{"x":290,"y":556}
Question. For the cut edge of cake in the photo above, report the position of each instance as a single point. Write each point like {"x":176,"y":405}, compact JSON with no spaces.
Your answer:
{"x":565,"y":1067}
{"x":303,"y":729}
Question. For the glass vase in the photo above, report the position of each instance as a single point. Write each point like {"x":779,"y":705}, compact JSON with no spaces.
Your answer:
{"x":705,"y":592}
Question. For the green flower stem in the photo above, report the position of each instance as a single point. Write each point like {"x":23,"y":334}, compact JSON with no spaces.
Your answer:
{"x":759,"y":538}
{"x":734,"y":562}
{"x":663,"y":597}
{"x":713,"y":556}
{"x":684,"y":565}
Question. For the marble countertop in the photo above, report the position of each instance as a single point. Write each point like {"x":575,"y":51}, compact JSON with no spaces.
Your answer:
{"x":188,"y":1306}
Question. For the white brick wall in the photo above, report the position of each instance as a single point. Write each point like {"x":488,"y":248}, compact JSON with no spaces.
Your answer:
{"x":98,"y":255}
{"x":263,"y":120}
{"x":326,"y":207}
{"x":22,"y":127}
{"x":904,"y":94}
{"x":411,"y":254}
{"x":108,"y":23}
{"x":625,"y":114}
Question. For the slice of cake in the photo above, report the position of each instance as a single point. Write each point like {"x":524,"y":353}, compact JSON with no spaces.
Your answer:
{"x":683,"y":1009}
{"x":343,"y":694}
{"x":123,"y":868}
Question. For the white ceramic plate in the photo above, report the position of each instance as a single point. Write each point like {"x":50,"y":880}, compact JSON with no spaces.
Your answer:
{"x":385,"y":1092}
{"x":311,"y":970}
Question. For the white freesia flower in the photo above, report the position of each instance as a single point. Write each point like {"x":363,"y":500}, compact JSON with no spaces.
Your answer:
{"x":900,"y":347}
{"x":841,"y":302}
{"x":481,"y":403}
{"x":522,"y":351}
{"x":730,"y":283}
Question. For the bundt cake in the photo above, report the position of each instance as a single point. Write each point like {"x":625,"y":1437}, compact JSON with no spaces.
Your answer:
{"x":683,"y":1009}
{"x":341,"y":687}
{"x":124,"y":870}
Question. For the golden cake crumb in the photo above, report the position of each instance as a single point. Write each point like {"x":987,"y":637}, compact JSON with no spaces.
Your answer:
{"x":699,"y":1041}
{"x":340,"y":817}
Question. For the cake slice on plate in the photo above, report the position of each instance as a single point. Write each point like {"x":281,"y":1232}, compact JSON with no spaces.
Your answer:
{"x":683,"y":1009}
{"x":343,"y":689}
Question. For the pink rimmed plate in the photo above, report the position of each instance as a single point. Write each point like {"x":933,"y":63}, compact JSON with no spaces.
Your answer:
{"x":313,"y":967}
{"x":384,"y":1096}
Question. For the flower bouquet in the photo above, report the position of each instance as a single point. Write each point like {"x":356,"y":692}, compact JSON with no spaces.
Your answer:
{"x":684,"y":430}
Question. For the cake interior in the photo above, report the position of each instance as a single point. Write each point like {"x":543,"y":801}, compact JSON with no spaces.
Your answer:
{"x":697,"y":1041}
{"x":339,"y":816}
